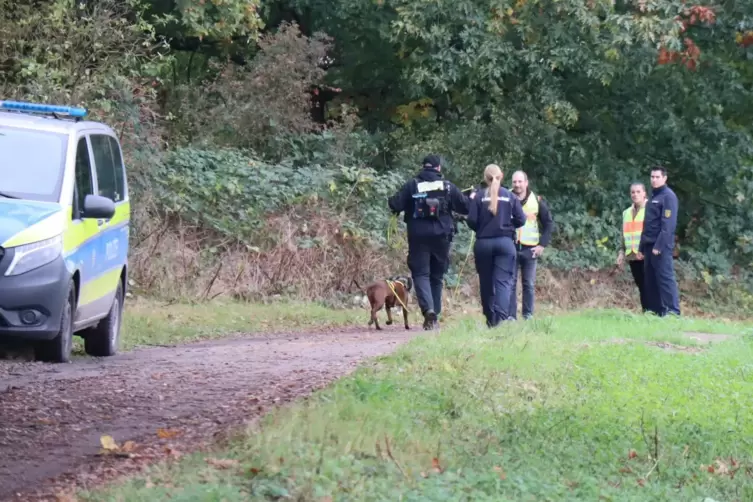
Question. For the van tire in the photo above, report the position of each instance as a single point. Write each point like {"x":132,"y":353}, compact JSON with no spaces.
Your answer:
{"x":58,"y":350}
{"x":103,"y":339}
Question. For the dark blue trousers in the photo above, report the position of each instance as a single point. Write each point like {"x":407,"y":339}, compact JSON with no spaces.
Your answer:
{"x":495,"y":263}
{"x":428,"y":259}
{"x":526,"y":264}
{"x":662,"y":296}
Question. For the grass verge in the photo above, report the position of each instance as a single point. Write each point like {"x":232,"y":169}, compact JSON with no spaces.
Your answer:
{"x":149,"y":322}
{"x":598,"y":405}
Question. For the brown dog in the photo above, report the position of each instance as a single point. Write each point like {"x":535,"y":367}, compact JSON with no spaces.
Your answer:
{"x":389,"y":293}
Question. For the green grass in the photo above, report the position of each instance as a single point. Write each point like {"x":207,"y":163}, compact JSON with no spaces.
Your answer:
{"x":149,"y":322}
{"x":542,"y":410}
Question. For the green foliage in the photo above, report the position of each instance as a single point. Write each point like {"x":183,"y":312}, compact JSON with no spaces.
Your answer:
{"x":251,"y":106}
{"x":233,"y":192}
{"x":216,"y":20}
{"x":63,"y":51}
{"x":571,"y":92}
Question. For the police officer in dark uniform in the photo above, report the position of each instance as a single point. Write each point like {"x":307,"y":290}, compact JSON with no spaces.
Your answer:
{"x":494,"y":214}
{"x":428,"y":201}
{"x":657,"y":244}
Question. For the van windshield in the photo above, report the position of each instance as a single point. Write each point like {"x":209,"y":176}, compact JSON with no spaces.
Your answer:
{"x":32,"y":164}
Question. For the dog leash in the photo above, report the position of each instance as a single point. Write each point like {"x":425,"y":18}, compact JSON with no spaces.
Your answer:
{"x":389,"y":283}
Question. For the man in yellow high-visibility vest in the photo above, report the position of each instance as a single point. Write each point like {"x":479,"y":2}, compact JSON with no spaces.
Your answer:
{"x":530,"y":241}
{"x":632,"y":228}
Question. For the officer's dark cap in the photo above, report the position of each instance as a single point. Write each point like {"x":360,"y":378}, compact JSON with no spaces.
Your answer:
{"x":431,"y":162}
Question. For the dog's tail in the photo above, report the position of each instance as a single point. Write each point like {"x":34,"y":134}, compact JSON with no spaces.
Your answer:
{"x":363,"y":291}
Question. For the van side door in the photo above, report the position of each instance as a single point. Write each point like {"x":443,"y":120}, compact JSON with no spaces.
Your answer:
{"x":112,"y":240}
{"x":83,"y":231}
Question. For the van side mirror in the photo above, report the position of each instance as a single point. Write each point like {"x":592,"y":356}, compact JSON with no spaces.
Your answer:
{"x":98,"y":207}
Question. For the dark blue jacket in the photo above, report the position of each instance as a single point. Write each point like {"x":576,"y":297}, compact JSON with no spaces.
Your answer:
{"x":509,"y":216}
{"x":660,"y":221}
{"x":546,"y":222}
{"x":402,"y":201}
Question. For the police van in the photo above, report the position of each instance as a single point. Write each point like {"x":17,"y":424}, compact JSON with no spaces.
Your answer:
{"x":64,"y":228}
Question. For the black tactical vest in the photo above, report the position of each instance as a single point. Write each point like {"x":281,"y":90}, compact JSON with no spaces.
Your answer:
{"x":431,"y":199}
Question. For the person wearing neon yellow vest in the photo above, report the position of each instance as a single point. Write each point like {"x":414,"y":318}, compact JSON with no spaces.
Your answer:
{"x":530,"y":241}
{"x":632,"y":228}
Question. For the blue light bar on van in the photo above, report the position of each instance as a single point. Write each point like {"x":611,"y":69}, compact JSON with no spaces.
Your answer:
{"x":42,"y":108}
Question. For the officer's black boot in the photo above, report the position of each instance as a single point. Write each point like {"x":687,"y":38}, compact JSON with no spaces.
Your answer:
{"x":430,"y":320}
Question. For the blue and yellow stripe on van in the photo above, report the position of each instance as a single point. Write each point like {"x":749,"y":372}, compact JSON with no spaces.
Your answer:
{"x":98,"y":253}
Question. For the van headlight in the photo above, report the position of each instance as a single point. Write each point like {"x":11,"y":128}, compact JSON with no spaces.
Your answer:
{"x":34,"y":255}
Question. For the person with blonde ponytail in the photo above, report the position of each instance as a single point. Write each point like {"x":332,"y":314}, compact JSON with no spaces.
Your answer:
{"x":494,"y":215}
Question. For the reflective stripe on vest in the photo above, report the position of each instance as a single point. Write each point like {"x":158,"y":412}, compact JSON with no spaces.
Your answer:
{"x":528,"y":234}
{"x":632,"y":229}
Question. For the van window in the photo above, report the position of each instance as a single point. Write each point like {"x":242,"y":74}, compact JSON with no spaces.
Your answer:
{"x":118,"y":166}
{"x":84,"y":185}
{"x":31,"y":163}
{"x":109,"y":166}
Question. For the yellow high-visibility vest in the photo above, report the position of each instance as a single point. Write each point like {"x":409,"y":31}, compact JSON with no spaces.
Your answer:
{"x":632,"y":228}
{"x":528,"y":234}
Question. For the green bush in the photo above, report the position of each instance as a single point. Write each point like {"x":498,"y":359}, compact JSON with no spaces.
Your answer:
{"x":232,"y":192}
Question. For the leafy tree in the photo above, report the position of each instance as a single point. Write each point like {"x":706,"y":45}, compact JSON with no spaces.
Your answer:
{"x":583,"y":95}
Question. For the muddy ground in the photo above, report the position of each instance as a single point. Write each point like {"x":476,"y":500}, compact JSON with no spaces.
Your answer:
{"x":166,"y":400}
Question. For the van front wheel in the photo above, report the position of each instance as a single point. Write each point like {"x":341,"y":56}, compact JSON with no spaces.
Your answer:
{"x":58,"y":350}
{"x":103,"y":340}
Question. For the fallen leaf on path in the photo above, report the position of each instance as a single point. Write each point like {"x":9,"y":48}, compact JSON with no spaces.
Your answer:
{"x":108,"y":443}
{"x":110,"y":447}
{"x":167,"y":433}
{"x":221,"y":463}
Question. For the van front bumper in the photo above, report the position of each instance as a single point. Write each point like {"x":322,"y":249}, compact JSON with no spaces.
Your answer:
{"x":31,"y":304}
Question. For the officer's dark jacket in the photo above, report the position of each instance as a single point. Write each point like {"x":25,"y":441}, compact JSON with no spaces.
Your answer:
{"x":660,"y":221}
{"x":509,"y":216}
{"x":402,"y":201}
{"x":546,"y":223}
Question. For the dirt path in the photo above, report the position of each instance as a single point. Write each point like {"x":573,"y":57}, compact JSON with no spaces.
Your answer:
{"x":52,"y":416}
